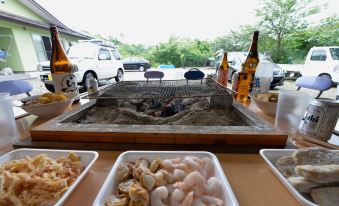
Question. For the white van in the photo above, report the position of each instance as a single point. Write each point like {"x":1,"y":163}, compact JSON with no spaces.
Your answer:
{"x":91,"y":60}
{"x":322,"y":60}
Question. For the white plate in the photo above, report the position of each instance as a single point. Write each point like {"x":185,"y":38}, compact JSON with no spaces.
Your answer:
{"x":87,"y":159}
{"x":271,"y":156}
{"x":110,"y":184}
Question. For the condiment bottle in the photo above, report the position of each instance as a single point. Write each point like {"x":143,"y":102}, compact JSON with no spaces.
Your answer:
{"x":252,"y":58}
{"x":244,"y":81}
{"x":222,"y":73}
{"x":61,"y":69}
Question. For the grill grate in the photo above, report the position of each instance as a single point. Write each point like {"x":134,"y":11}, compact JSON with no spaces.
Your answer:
{"x":160,"y":90}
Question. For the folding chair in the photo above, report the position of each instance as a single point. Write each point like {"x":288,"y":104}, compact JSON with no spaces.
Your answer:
{"x":322,"y":82}
{"x":15,"y":87}
{"x":194,"y":74}
{"x":154,"y":75}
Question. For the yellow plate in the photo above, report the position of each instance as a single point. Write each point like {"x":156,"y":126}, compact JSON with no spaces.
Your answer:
{"x":49,"y":77}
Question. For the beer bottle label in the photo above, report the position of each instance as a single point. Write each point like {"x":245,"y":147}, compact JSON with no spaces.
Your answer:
{"x":67,"y":84}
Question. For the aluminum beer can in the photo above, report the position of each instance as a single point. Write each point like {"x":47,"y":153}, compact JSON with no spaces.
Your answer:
{"x":320,"y":119}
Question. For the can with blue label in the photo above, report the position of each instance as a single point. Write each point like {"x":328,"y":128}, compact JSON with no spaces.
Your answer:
{"x":320,"y":119}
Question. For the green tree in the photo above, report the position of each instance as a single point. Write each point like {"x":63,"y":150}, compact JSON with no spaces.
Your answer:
{"x":279,"y":18}
{"x":326,"y":33}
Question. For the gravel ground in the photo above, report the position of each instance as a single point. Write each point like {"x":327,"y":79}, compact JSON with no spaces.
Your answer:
{"x":39,"y":87}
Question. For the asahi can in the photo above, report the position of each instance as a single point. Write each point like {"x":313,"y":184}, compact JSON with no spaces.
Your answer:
{"x":320,"y":119}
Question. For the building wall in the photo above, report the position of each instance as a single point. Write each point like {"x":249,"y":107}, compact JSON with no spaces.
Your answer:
{"x":13,"y":60}
{"x":23,"y":56}
{"x":17,"y":8}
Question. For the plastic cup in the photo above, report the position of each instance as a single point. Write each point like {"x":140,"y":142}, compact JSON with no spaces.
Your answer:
{"x":264,"y":85}
{"x":8,"y":129}
{"x":291,"y":108}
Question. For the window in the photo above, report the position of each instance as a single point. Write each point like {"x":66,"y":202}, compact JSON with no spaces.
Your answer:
{"x":39,"y":48}
{"x":43,"y":46}
{"x":105,"y":53}
{"x":48,"y":46}
{"x":65,"y":44}
{"x":116,"y":54}
{"x":334,"y":53}
{"x":318,"y":55}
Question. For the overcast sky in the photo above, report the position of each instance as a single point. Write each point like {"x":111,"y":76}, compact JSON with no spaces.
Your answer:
{"x":152,"y":21}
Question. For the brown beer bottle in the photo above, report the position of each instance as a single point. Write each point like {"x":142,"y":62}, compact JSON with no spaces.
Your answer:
{"x":252,"y":58}
{"x":61,"y":69}
{"x":222,"y":75}
{"x":244,"y":81}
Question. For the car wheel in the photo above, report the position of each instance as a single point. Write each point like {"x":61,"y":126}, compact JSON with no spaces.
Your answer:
{"x":87,"y":76}
{"x":142,"y":69}
{"x":120,"y":76}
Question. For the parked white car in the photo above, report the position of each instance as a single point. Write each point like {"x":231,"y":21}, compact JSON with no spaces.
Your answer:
{"x":90,"y":60}
{"x":322,"y":60}
{"x":235,"y":59}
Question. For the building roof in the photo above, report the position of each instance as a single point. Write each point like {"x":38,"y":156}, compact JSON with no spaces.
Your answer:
{"x":43,"y":13}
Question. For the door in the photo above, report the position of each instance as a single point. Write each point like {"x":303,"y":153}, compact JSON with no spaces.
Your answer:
{"x":116,"y":61}
{"x":105,"y":65}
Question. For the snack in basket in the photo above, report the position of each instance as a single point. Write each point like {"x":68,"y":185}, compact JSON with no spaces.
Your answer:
{"x":271,"y":97}
{"x":178,"y":181}
{"x":286,"y":166}
{"x":38,"y":180}
{"x":315,"y":156}
{"x":316,"y":171}
{"x":319,"y":173}
{"x":326,"y":196}
{"x":303,"y":185}
{"x":47,"y":98}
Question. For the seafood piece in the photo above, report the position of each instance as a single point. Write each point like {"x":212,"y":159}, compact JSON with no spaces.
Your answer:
{"x":188,"y":199}
{"x":158,"y":196}
{"x":213,"y":187}
{"x":179,"y":175}
{"x":177,"y":196}
{"x":170,"y":188}
{"x":124,"y":187}
{"x":148,"y":181}
{"x":116,"y":200}
{"x":193,"y":182}
{"x":192,"y":163}
{"x":207,"y":169}
{"x":138,"y":195}
{"x":170,"y":178}
{"x":124,"y":171}
{"x":141,"y":166}
{"x":155,"y":165}
{"x":212,"y":200}
{"x":161,"y":177}
{"x":198,"y":202}
{"x":171,"y":164}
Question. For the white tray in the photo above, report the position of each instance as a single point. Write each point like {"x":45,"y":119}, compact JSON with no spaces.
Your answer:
{"x":87,"y":159}
{"x":111,"y":182}
{"x":271,"y":156}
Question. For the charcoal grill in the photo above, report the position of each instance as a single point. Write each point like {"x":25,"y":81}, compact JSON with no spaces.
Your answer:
{"x":161,"y":89}
{"x":252,"y":130}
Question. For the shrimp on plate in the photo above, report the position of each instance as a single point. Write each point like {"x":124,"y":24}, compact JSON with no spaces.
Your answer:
{"x":159,"y":196}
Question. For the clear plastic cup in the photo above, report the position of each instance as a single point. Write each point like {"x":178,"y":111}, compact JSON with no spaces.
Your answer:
{"x":8,"y":129}
{"x":291,"y":108}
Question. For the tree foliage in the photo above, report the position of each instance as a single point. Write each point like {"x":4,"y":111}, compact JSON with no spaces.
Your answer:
{"x":279,"y":18}
{"x":283,"y":31}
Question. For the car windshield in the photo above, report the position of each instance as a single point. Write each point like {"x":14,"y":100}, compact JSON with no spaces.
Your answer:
{"x":81,"y":52}
{"x":334,"y":53}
